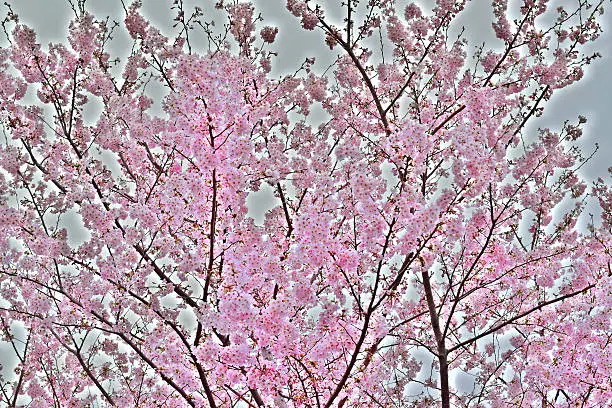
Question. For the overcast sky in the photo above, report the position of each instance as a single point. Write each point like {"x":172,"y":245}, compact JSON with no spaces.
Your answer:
{"x":592,"y":97}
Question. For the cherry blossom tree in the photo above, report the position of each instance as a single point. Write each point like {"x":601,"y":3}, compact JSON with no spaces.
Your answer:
{"x":423,"y":250}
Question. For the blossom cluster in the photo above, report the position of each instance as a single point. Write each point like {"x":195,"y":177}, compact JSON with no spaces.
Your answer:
{"x":419,"y":233}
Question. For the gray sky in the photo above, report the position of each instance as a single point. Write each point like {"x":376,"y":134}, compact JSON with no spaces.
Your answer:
{"x":592,"y":97}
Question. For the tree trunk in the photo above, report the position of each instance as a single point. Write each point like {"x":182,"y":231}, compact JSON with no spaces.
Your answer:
{"x":444,"y":388}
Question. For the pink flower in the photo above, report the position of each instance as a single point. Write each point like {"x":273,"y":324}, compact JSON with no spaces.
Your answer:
{"x":412,"y":11}
{"x":268,"y":34}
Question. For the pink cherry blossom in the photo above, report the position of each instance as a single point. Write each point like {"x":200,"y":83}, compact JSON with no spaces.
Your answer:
{"x":420,"y":234}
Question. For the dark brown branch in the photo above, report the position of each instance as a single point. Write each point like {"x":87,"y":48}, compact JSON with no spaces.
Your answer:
{"x":425,"y":52}
{"x":240,"y":396}
{"x":452,"y":115}
{"x":151,"y":364}
{"x":532,"y":111}
{"x":509,"y":48}
{"x":441,"y":351}
{"x":211,"y":238}
{"x":519,"y":316}
{"x":77,"y":353}
{"x":366,"y":323}
{"x":285,"y":209}
{"x":362,"y":71}
{"x":353,"y":360}
{"x":73,"y":100}
{"x":194,"y":359}
{"x":312,"y":379}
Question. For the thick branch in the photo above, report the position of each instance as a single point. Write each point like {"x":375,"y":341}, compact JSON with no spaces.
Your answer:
{"x":519,"y":316}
